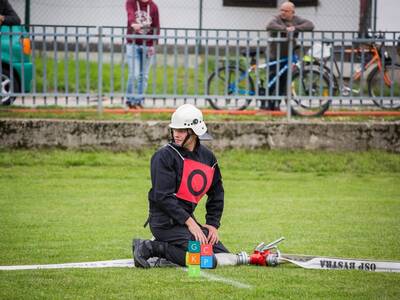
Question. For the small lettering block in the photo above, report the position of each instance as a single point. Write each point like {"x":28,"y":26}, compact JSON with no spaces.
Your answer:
{"x":206,"y":250}
{"x":194,"y":247}
{"x":206,"y":262}
{"x":194,"y":271}
{"x":194,"y":258}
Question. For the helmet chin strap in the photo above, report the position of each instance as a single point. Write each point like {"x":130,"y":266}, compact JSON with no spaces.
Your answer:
{"x":189,"y":134}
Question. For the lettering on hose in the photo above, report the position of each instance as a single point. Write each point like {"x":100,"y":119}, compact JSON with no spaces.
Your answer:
{"x":367,"y":267}
{"x":347,"y":265}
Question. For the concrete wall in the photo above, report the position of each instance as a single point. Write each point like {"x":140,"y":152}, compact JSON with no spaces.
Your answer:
{"x":122,"y":135}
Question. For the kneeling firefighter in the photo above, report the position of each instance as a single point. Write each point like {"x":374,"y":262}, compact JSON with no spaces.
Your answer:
{"x":182,"y":172}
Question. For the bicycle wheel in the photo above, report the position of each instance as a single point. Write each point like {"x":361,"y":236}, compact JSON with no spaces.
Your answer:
{"x":384,"y":87}
{"x":310,"y":83}
{"x":328,"y":72}
{"x":227,"y":82}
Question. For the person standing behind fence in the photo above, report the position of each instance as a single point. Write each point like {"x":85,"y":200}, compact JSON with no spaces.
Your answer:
{"x":143,"y":19}
{"x":283,"y":23}
{"x":7,"y":14}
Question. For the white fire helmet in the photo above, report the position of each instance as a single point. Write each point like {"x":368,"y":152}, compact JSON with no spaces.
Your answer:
{"x":189,"y":116}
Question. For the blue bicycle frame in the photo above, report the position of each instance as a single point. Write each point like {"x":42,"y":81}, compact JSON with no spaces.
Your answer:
{"x":232,"y":86}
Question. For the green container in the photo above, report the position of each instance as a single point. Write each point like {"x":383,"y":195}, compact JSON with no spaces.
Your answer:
{"x":16,"y":66}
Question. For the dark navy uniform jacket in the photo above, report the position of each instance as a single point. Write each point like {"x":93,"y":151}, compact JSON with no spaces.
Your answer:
{"x":165,"y":208}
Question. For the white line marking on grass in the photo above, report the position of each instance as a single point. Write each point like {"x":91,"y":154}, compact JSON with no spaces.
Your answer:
{"x":120,"y":263}
{"x":226,"y":280}
{"x":222,"y":279}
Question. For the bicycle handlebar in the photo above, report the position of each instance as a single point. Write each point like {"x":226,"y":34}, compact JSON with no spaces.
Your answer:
{"x":374,"y":35}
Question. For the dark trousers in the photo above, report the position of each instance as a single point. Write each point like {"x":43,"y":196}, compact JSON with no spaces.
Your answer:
{"x":177,"y":237}
{"x":274,"y":104}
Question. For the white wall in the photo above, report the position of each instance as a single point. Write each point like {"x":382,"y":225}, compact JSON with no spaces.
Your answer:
{"x":330,"y":15}
{"x":388,"y":15}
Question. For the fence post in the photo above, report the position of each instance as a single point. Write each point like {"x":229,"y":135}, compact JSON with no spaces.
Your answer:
{"x":27,"y":14}
{"x":289,"y":76}
{"x":100,"y":71}
{"x":198,"y":42}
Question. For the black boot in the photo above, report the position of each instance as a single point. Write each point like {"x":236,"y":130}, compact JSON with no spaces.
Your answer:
{"x":145,"y":249}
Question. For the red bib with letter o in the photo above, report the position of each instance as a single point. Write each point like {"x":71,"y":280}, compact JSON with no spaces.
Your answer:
{"x":196,"y":180}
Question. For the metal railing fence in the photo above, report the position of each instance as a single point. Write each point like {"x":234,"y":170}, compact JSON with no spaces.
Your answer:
{"x":228,"y":69}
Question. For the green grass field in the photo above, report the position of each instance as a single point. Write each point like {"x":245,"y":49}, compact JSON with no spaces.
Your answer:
{"x":63,"y":206}
{"x":82,"y":114}
{"x":82,"y":76}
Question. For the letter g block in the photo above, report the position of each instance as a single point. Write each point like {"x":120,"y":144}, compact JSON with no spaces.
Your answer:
{"x":194,"y":247}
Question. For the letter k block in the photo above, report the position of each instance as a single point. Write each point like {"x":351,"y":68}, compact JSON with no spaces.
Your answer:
{"x":194,"y":259}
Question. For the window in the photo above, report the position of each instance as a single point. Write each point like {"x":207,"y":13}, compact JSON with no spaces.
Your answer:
{"x":250,"y":3}
{"x":267,"y":3}
{"x":300,"y":3}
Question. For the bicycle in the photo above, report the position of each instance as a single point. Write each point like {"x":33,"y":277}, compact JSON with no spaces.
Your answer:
{"x":234,"y":80}
{"x":383,"y":80}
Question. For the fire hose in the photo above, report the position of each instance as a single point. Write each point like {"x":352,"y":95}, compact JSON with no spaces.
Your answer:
{"x":266,"y":255}
{"x":269,"y":255}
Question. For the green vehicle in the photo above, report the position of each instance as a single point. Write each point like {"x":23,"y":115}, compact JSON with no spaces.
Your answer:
{"x":15,"y":63}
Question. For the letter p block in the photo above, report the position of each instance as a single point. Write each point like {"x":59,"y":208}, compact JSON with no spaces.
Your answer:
{"x":206,"y":262}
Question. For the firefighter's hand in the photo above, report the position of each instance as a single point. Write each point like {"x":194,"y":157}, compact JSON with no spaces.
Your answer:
{"x":195,"y":229}
{"x":212,"y":234}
